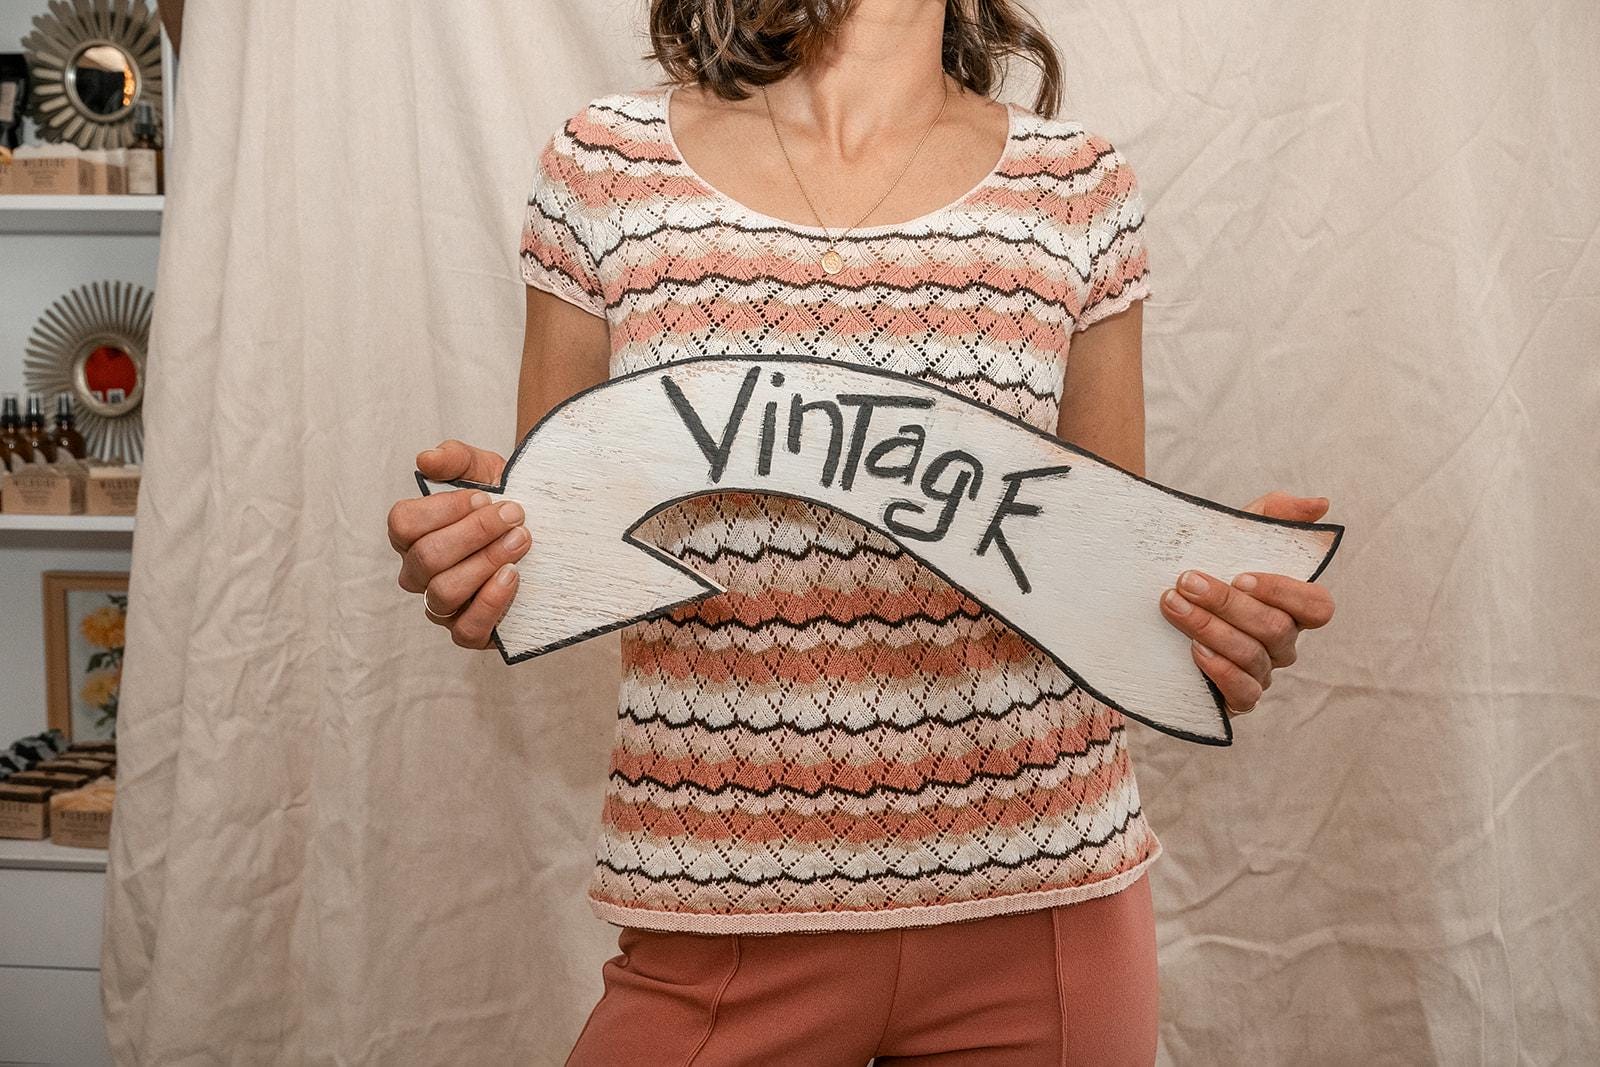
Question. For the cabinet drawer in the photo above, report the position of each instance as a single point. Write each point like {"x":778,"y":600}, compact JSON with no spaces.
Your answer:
{"x":50,"y":918}
{"x":51,"y":1017}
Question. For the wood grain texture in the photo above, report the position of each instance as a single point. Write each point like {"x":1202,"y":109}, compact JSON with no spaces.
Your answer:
{"x":1068,"y":549}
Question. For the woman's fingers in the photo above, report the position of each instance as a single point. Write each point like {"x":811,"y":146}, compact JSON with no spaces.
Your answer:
{"x":474,"y":626}
{"x":452,"y":561}
{"x":411,"y":519}
{"x":1273,"y":628}
{"x":449,"y":589}
{"x":1240,"y":691}
{"x":452,"y":459}
{"x":1248,"y":655}
{"x":1309,"y":604}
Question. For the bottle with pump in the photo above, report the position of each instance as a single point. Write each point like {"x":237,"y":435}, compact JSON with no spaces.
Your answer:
{"x":44,"y":449}
{"x":65,"y":436}
{"x":145,"y":167}
{"x":15,"y":443}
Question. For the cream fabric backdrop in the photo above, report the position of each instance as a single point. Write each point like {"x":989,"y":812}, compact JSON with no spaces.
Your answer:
{"x":339,"y":839}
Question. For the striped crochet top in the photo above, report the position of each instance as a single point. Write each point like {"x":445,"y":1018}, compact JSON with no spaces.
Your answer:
{"x":842,"y":739}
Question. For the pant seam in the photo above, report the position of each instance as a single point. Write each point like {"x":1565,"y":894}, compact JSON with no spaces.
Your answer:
{"x":1061,"y":989}
{"x":716,"y":1002}
{"x":894,"y":989}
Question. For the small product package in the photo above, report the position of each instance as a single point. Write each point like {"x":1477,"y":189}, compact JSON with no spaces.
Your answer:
{"x":24,"y":811}
{"x":111,"y":488}
{"x":81,"y":818}
{"x":44,"y":488}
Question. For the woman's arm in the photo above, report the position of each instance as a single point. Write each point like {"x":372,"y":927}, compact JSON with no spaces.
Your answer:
{"x":1240,"y":631}
{"x":1102,"y":407}
{"x":453,"y":547}
{"x":565,"y":350}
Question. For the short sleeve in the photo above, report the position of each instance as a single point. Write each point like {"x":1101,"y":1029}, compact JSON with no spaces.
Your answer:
{"x":556,"y":251}
{"x":1119,"y":271}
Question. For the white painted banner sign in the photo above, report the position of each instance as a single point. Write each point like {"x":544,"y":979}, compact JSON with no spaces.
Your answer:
{"x":1068,"y":549}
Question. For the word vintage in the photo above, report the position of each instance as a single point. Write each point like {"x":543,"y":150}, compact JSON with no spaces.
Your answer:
{"x":1067,"y":549}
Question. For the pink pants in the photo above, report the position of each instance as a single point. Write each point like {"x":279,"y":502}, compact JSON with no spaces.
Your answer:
{"x":1074,"y":984}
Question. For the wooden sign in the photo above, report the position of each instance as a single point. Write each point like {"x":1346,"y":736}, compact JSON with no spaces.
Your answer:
{"x":1068,"y":549}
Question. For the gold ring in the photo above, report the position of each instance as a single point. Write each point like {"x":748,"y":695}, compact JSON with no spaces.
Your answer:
{"x":434,"y":615}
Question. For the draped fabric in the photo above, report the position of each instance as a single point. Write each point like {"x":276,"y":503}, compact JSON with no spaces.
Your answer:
{"x":341,"y":839}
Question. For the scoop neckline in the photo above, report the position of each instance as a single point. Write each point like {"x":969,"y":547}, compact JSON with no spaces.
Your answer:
{"x":880,"y":228}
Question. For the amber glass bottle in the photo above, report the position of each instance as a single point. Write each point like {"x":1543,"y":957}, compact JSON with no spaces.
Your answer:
{"x":12,"y":439}
{"x":35,"y":430}
{"x":65,"y":436}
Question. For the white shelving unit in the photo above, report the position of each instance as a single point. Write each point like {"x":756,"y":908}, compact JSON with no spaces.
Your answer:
{"x":52,"y":897}
{"x":69,"y":523}
{"x":87,"y":215}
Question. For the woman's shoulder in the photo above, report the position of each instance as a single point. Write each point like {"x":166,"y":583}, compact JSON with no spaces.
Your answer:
{"x":1063,"y":138}
{"x":633,"y":114}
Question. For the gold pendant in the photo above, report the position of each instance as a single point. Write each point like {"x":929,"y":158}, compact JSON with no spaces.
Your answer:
{"x":832,"y":262}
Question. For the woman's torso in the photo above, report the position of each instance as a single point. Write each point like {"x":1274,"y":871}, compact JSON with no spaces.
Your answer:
{"x":842,"y":739}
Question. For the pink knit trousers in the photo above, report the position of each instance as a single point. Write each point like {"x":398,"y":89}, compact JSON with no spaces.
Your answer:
{"x":1074,"y":984}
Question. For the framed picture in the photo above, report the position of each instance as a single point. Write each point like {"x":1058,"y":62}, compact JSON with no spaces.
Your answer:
{"x":85,"y":617}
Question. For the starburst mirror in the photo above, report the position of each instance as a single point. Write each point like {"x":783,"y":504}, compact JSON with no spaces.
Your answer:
{"x":91,"y":61}
{"x":91,"y":345}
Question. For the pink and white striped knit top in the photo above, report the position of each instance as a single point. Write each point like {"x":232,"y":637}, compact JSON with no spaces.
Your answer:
{"x":842,"y":740}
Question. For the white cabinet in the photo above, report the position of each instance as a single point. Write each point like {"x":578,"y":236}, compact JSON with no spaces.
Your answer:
{"x":51,"y":901}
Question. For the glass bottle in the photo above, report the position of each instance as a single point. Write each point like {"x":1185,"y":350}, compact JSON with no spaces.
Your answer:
{"x":37,"y":433}
{"x":15,"y":442}
{"x":65,"y":436}
{"x":145,"y":166}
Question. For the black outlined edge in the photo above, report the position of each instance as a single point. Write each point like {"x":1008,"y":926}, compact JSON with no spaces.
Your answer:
{"x":903,"y":380}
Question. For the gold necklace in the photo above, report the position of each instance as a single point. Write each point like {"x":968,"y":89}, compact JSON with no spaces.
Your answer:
{"x":832,"y":261}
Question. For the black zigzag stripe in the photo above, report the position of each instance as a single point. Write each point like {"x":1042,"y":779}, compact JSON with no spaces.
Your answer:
{"x":1086,"y":843}
{"x":643,"y":120}
{"x":881,"y":787}
{"x":831,"y":287}
{"x":762,"y":231}
{"x":797,"y":554}
{"x":854,"y":620}
{"x":634,"y":715}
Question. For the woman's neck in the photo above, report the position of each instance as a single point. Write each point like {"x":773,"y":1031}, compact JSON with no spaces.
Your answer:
{"x":883,"y":72}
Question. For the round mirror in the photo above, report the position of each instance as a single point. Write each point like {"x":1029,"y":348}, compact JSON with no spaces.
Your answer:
{"x":90,"y":62}
{"x":102,"y":80}
{"x":106,"y":376}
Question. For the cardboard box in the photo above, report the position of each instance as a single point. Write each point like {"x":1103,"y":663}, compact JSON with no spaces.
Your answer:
{"x":44,"y":488}
{"x":111,"y":489}
{"x":65,"y":170}
{"x":78,"y":829}
{"x":24,"y":811}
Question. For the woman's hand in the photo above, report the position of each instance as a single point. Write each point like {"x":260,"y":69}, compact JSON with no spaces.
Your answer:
{"x":1242,"y":631}
{"x":456,"y":550}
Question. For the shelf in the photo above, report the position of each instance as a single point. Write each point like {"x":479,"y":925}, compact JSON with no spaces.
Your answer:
{"x":81,"y":214}
{"x":48,"y":856}
{"x":69,"y":523}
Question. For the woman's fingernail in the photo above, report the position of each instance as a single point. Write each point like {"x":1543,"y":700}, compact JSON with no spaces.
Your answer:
{"x":1204,"y":651}
{"x":1176,"y":602}
{"x":478,"y":500}
{"x":1246,"y":582}
{"x":506,"y":573}
{"x":514,"y":538}
{"x":511,"y":511}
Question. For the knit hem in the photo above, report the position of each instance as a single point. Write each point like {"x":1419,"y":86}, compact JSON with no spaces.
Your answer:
{"x":559,"y":285}
{"x":1138,"y":290}
{"x":891,"y":918}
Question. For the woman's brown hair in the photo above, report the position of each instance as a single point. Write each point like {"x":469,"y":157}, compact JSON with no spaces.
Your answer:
{"x":728,"y":45}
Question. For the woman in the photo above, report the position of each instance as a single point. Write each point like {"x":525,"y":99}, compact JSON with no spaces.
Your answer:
{"x":850,"y":814}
